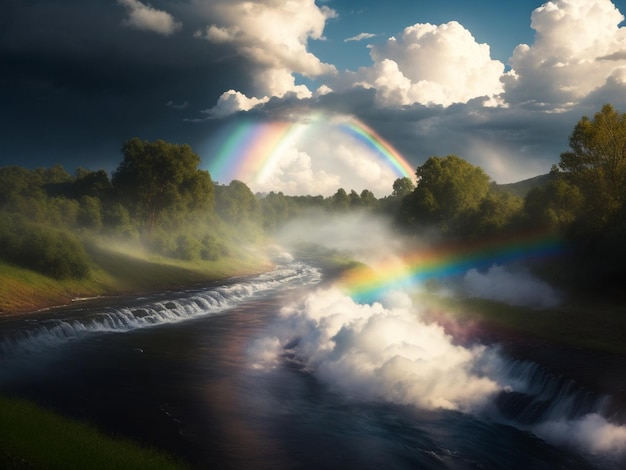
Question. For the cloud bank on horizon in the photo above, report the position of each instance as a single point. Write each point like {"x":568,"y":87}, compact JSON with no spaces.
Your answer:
{"x":429,"y":89}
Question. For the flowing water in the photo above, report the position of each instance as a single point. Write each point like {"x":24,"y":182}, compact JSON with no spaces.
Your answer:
{"x":225,"y":377}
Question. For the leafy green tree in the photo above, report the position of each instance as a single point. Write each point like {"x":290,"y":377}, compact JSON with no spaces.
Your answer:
{"x":555,"y":205}
{"x":21,"y":191}
{"x":355,"y":199}
{"x":402,"y":187}
{"x":596,"y":164}
{"x":368,"y":200}
{"x":116,"y":219}
{"x":61,"y":211}
{"x":340,"y":200}
{"x":275,"y":208}
{"x":159,"y":178}
{"x":56,"y":181}
{"x":92,"y":183}
{"x":90,"y":212}
{"x":447,"y":189}
{"x":235,"y":203}
{"x":497,"y":213}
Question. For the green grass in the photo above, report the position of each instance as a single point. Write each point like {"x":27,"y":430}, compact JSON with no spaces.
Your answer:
{"x":126,"y":271}
{"x":22,"y":289}
{"x":115,"y":271}
{"x":31,"y":437}
{"x":582,"y":324}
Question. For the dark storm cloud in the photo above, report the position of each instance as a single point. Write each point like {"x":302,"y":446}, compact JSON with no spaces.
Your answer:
{"x":76,"y":82}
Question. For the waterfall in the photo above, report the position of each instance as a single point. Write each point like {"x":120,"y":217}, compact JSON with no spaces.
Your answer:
{"x":535,"y":395}
{"x":37,"y":335}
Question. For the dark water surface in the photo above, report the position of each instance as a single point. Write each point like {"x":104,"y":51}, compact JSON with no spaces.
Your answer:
{"x":188,"y":387}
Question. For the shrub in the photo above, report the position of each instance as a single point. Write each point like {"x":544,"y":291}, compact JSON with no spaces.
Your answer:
{"x":44,"y":249}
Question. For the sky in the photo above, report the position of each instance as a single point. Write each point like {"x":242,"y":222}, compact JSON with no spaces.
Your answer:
{"x":305,"y":96}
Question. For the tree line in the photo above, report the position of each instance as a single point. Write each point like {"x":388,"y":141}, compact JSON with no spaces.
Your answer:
{"x":160,"y":197}
{"x":583,"y":200}
{"x":157,"y":196}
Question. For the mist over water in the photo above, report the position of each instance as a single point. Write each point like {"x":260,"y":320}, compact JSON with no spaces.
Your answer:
{"x":510,"y":285}
{"x":383,"y":350}
{"x":380,"y":352}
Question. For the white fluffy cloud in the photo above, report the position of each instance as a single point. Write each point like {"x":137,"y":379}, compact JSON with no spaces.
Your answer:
{"x":296,"y":174}
{"x":430,"y":64}
{"x":273,"y":36}
{"x":323,"y":159}
{"x":232,"y":101}
{"x":578,"y":48}
{"x":360,"y":37}
{"x":146,"y":18}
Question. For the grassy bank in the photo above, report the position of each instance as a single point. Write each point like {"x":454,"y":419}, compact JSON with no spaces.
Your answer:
{"x":115,"y":271}
{"x":31,"y":437}
{"x":583,"y":324}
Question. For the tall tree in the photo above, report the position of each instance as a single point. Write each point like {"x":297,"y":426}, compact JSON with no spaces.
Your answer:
{"x":156,"y":178}
{"x":236,"y":203}
{"x":340,"y":201}
{"x":447,"y":189}
{"x":402,"y":187}
{"x":596,"y":164}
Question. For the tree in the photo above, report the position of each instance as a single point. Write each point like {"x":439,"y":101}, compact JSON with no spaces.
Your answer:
{"x":354,"y":198}
{"x":555,"y":205}
{"x":447,"y":189}
{"x":368,"y":200}
{"x":402,"y":187}
{"x":340,"y":201}
{"x":498,"y":212}
{"x":236,"y":203}
{"x":156,"y":178}
{"x":92,"y":183}
{"x":596,"y":164}
{"x":90,"y":212}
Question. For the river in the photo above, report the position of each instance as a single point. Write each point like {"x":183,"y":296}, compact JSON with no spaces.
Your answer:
{"x":224,"y":376}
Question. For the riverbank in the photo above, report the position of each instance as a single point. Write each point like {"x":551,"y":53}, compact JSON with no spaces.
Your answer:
{"x":117,"y":272}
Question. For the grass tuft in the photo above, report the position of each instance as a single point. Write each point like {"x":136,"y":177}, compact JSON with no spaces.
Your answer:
{"x":32,"y":437}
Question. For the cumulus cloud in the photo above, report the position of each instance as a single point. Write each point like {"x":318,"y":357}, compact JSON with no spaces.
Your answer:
{"x":146,"y":18}
{"x":295,"y":174}
{"x":273,"y":36}
{"x":430,"y":64}
{"x":578,"y":48}
{"x":360,"y":37}
{"x":233,"y":101}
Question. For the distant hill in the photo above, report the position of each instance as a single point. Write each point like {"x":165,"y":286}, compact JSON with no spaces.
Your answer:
{"x":521,"y":188}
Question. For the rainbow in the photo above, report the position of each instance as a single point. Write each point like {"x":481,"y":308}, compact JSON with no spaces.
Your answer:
{"x":374,"y":141}
{"x":368,"y":283}
{"x":250,"y":151}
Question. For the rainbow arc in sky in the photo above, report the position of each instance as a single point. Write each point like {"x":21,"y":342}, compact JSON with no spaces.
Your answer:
{"x":250,"y":151}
